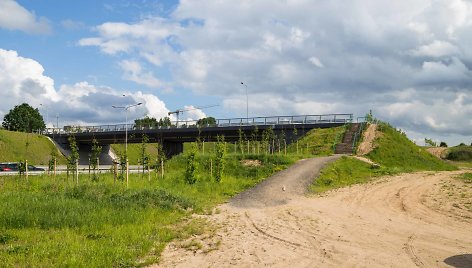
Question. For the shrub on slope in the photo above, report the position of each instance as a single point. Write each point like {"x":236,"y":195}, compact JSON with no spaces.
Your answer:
{"x":460,"y":153}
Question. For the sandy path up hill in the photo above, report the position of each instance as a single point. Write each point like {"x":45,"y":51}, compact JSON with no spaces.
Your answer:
{"x":412,"y":220}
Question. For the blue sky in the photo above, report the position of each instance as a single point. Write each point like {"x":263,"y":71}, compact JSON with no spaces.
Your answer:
{"x":408,"y":61}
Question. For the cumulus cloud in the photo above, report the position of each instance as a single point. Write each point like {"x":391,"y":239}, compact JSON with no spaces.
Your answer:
{"x":15,"y":17}
{"x":23,"y":80}
{"x":310,"y":56}
{"x":134,"y":72}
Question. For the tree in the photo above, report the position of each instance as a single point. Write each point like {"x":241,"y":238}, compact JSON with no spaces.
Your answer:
{"x":191,"y":171}
{"x":144,"y":156}
{"x":23,"y":118}
{"x":220,"y":158}
{"x":430,"y":142}
{"x":95,"y":154}
{"x":164,"y":122}
{"x":161,"y":158}
{"x":146,"y":122}
{"x":73,"y":158}
{"x":206,"y":121}
{"x":443,"y":144}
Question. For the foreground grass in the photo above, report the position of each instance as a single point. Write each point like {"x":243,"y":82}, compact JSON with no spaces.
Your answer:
{"x":345,"y":172}
{"x":54,"y":222}
{"x":15,"y":146}
{"x":465,"y":177}
{"x":394,"y":153}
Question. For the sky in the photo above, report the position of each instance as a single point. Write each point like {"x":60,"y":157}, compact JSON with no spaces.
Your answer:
{"x":409,"y":62}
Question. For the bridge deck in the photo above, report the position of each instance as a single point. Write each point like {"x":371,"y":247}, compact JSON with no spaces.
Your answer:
{"x":173,"y":137}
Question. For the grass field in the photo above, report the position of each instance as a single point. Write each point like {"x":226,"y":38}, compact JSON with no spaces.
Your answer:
{"x":16,"y":146}
{"x":46,"y":222}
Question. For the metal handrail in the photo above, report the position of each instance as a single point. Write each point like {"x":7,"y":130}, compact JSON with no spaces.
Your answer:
{"x":231,"y":122}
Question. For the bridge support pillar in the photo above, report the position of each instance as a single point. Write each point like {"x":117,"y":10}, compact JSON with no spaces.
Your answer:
{"x":172,"y":148}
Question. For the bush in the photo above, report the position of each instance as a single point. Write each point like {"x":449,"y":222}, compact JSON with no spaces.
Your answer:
{"x":460,"y":153}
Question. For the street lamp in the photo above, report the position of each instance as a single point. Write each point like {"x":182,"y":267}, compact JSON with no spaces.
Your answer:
{"x":126,"y":108}
{"x":247,"y":104}
{"x":47,"y":113}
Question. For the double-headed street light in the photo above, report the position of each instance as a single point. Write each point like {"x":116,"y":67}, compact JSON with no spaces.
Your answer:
{"x":126,"y":108}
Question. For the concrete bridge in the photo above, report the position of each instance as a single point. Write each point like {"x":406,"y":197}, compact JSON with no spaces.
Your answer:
{"x":172,"y":138}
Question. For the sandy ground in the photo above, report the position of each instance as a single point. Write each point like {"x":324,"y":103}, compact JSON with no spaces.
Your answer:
{"x":411,"y":220}
{"x":367,"y":144}
{"x":439,"y":152}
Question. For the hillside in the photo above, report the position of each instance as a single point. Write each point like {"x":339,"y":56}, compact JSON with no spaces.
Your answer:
{"x":134,"y":151}
{"x":15,"y":146}
{"x":319,"y":141}
{"x":394,"y":153}
{"x":394,"y":150}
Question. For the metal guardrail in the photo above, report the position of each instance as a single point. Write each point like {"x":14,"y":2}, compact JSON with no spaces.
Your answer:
{"x":357,"y":136}
{"x":232,"y":122}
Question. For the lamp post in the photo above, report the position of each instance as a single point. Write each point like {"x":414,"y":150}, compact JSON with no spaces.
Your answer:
{"x":247,"y":104}
{"x":126,"y":108}
{"x":47,"y":113}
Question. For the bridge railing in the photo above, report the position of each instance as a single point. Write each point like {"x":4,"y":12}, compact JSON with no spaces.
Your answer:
{"x":231,"y":122}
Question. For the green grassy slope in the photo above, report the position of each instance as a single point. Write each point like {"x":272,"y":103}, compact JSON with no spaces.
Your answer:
{"x":13,"y":148}
{"x":134,"y":151}
{"x":394,"y":152}
{"x":318,"y":141}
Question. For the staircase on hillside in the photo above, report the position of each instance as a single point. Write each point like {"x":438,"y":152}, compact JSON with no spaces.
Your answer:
{"x":345,"y":147}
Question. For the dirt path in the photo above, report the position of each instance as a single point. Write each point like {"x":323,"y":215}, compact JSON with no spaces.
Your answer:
{"x":413,"y":220}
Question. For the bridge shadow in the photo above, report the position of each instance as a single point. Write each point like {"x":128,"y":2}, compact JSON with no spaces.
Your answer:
{"x":459,"y":261}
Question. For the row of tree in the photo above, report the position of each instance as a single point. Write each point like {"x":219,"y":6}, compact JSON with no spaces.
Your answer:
{"x":151,"y":122}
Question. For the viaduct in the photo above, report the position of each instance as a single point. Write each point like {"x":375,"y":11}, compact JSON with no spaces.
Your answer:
{"x":172,"y":138}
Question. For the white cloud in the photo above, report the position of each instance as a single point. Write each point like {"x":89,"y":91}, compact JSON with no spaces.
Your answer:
{"x":133,"y":72}
{"x":192,"y":113}
{"x":15,"y":17}
{"x":338,"y":57}
{"x":437,"y":48}
{"x":22,"y":80}
{"x":450,"y":72}
{"x":316,"y":62}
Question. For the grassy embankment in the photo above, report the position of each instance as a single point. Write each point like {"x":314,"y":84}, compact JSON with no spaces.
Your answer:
{"x":54,"y":222}
{"x":47,"y":222}
{"x":16,"y":146}
{"x":394,"y":152}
